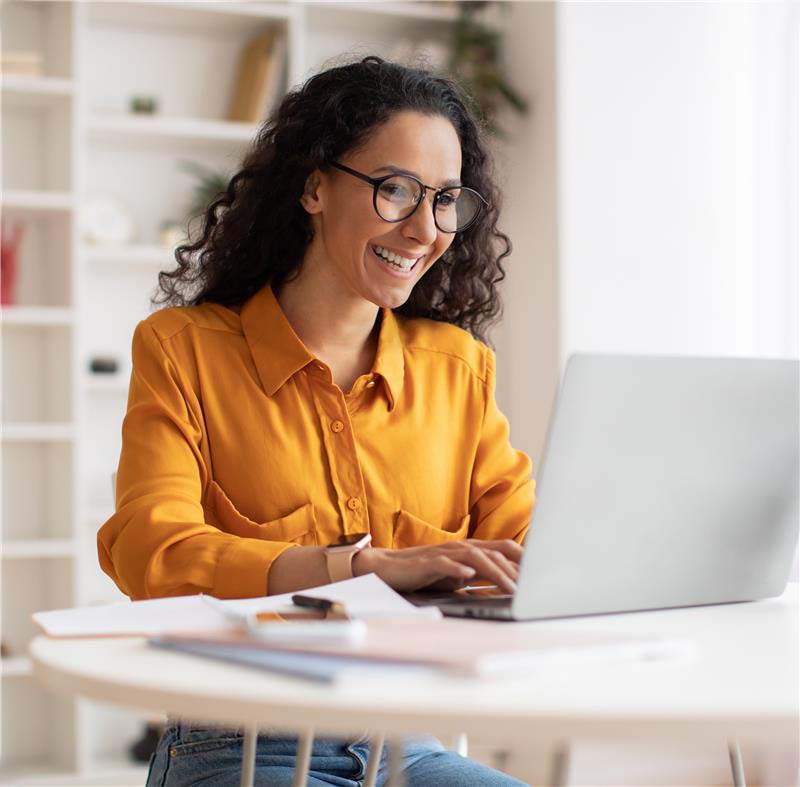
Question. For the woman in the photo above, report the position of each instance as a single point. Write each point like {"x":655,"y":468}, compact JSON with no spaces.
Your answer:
{"x":326,"y":377}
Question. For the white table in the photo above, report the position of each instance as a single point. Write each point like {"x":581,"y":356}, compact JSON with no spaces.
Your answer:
{"x":742,"y":684}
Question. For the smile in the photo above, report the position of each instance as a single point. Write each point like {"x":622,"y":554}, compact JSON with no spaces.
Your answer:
{"x":394,"y":263}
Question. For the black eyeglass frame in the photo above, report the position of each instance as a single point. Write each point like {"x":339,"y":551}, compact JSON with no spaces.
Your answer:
{"x":376,"y":184}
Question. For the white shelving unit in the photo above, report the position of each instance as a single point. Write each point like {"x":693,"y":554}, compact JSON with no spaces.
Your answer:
{"x":67,"y":139}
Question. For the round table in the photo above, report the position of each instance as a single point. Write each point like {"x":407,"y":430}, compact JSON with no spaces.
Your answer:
{"x":742,"y":683}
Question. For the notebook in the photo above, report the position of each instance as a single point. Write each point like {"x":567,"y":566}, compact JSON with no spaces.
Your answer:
{"x":458,"y":646}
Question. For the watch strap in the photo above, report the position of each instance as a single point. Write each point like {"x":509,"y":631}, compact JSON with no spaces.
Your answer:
{"x":340,"y":564}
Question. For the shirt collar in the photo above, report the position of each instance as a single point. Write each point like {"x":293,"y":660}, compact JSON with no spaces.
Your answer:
{"x":279,"y":354}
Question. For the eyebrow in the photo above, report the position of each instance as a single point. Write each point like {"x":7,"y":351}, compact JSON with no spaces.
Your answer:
{"x":401,"y":171}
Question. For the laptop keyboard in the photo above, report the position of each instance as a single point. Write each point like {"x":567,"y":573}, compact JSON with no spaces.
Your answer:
{"x":438,"y":599}
{"x":485,"y":601}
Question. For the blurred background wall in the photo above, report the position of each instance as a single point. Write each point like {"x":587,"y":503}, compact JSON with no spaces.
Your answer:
{"x":652,"y":190}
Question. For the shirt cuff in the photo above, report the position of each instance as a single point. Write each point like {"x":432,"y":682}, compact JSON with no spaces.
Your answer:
{"x":243,"y":568}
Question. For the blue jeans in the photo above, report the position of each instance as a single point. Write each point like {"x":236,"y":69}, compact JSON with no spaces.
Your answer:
{"x":212,"y":756}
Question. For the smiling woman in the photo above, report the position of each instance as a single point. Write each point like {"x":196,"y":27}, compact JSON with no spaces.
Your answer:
{"x":323,"y":405}
{"x":258,"y":231}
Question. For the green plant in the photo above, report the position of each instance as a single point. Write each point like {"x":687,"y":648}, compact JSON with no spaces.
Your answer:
{"x":210,"y":184}
{"x":475,"y":63}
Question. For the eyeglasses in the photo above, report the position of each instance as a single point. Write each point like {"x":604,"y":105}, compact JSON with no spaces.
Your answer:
{"x":396,"y":197}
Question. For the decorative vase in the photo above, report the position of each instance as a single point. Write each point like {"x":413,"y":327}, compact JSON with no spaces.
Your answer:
{"x":9,"y":249}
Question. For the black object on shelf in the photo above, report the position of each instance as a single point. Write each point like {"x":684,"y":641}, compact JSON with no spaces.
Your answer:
{"x":103,"y":364}
{"x":141,"y":750}
{"x":144,"y":105}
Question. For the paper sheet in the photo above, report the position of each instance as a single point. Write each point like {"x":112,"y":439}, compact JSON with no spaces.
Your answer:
{"x":367,"y":596}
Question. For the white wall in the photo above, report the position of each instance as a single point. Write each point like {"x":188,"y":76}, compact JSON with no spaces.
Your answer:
{"x":677,"y":201}
{"x":528,"y":341}
{"x":678,"y":166}
{"x":651,"y":193}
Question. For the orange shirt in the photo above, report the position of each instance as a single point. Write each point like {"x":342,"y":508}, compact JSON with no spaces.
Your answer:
{"x":237,"y":445}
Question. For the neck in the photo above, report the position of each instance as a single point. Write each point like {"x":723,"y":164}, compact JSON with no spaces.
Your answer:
{"x":330,"y":320}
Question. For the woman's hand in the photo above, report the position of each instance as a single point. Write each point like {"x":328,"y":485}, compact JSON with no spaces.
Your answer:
{"x":445,"y":566}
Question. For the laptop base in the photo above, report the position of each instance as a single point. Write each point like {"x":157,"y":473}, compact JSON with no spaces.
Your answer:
{"x":461,"y":605}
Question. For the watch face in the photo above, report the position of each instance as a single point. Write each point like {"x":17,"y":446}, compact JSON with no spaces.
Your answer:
{"x":349,"y":540}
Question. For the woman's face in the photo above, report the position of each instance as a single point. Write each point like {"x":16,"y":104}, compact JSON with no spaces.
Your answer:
{"x":347,"y":228}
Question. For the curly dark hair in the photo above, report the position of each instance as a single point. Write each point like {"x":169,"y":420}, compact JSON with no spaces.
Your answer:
{"x":257,"y":231}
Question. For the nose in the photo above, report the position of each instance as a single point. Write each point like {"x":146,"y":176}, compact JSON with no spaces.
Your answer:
{"x":420,"y":224}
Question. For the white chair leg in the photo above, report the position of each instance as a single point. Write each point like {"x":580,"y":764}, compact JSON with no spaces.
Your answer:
{"x":396,"y":778}
{"x":374,"y":761}
{"x":305,"y":742}
{"x":559,"y":766}
{"x":737,"y":769}
{"x":249,"y":756}
{"x":461,"y":744}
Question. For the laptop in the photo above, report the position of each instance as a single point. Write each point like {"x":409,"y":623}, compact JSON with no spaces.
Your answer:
{"x":666,"y":482}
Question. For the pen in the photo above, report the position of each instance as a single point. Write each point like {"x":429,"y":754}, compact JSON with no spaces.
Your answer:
{"x":331,"y":608}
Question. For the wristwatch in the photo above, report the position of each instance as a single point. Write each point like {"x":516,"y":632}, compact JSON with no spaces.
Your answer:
{"x":339,"y":555}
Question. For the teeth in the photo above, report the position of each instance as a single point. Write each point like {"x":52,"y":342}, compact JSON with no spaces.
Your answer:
{"x":395,"y":259}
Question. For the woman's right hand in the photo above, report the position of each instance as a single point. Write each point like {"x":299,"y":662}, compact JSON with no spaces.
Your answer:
{"x":447,"y":566}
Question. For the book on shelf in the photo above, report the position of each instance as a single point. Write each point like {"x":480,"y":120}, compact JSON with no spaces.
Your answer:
{"x":259,"y":79}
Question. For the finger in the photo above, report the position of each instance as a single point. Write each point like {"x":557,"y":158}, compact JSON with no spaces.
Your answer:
{"x":509,"y":566}
{"x":441,"y":567}
{"x":511,"y":549}
{"x":485,"y":567}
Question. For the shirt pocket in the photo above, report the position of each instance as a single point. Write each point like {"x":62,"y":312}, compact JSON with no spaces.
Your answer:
{"x":411,"y":531}
{"x":298,"y":527}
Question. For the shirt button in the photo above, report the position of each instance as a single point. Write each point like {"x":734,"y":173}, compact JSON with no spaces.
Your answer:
{"x":354,"y":504}
{"x":337,"y":426}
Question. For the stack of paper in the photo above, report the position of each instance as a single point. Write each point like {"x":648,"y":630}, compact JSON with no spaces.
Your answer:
{"x":465,"y":647}
{"x":365,"y":597}
{"x":394,"y":634}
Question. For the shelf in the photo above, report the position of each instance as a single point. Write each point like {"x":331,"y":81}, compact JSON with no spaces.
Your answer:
{"x":25,"y":91}
{"x":30,"y":755}
{"x":131,"y":129}
{"x":115,"y":383}
{"x":109,"y":771}
{"x":38,"y":432}
{"x":45,"y":260}
{"x":37,"y":200}
{"x":190,"y":16}
{"x":29,"y":587}
{"x":36,"y":366}
{"x":117,"y":776}
{"x":433,"y":11}
{"x":37,"y":499}
{"x":44,"y":28}
{"x":33,"y":316}
{"x":131,"y":254}
{"x":19,"y":549}
{"x":16,"y":666}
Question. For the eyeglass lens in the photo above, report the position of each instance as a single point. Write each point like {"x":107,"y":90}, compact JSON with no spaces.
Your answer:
{"x":398,"y":196}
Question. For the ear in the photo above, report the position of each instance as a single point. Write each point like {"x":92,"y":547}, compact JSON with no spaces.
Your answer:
{"x":311,"y":199}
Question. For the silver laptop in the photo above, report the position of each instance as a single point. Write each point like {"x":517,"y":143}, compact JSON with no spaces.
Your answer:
{"x":666,"y":482}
